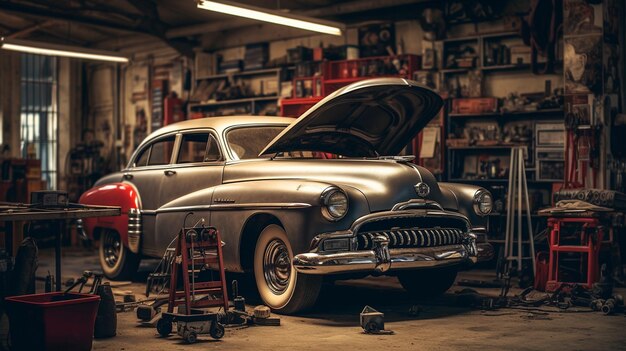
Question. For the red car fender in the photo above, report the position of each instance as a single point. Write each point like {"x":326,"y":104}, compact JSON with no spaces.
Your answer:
{"x":124,"y":195}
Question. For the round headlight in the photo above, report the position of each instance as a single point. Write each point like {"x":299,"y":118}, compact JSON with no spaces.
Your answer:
{"x":483,"y":203}
{"x":335,"y":204}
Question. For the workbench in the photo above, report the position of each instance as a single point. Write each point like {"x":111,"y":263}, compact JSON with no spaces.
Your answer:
{"x":10,"y":213}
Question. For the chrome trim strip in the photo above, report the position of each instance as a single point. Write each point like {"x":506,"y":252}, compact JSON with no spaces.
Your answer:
{"x":417,"y":204}
{"x":134,"y":229}
{"x":419,"y":174}
{"x":230,"y":206}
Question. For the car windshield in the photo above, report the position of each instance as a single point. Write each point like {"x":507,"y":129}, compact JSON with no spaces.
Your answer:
{"x":247,"y":142}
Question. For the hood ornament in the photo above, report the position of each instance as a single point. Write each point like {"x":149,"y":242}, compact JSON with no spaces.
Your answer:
{"x":422,"y":189}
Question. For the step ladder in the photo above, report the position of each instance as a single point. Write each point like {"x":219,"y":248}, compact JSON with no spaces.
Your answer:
{"x":517,"y":193}
{"x":197,"y":248}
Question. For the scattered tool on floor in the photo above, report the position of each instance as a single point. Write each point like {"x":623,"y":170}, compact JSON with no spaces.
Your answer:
{"x":106,"y":319}
{"x":373,"y":322}
{"x":82,"y":281}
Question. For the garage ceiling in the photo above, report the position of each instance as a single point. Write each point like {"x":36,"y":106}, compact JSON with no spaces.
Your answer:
{"x":113,"y":24}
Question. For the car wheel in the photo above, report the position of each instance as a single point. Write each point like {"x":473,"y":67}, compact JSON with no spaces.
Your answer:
{"x":217,"y":330}
{"x":116,"y":260}
{"x":427,"y":283}
{"x":164,"y":327}
{"x":190,"y":337}
{"x":280,"y":286}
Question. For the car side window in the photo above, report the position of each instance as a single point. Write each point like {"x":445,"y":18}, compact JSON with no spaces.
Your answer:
{"x":142,"y":158}
{"x":161,"y":151}
{"x":212,"y":150}
{"x":198,"y":147}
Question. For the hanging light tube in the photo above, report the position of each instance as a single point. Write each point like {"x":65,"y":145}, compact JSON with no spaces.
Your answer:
{"x":60,"y":50}
{"x":276,"y":17}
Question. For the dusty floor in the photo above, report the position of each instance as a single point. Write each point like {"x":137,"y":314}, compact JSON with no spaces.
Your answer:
{"x":335,"y":322}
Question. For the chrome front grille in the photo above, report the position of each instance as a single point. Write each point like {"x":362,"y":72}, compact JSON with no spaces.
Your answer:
{"x":134,"y":229}
{"x":412,"y":237}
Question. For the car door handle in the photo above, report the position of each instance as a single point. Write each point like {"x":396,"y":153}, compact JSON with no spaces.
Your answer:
{"x":128,"y":176}
{"x":169,"y":172}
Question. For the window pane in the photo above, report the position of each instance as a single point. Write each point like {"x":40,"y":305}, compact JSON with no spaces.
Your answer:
{"x":247,"y":142}
{"x":212,"y":151}
{"x":161,"y":152}
{"x":142,"y":158}
{"x":38,"y":134}
{"x":193,"y":148}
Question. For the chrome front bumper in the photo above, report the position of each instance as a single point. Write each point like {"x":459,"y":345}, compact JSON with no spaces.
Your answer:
{"x":382,"y":259}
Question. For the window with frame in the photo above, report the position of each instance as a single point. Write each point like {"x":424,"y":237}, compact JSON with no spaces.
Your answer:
{"x":156,"y":154}
{"x":197,"y":148}
{"x":39,"y":111}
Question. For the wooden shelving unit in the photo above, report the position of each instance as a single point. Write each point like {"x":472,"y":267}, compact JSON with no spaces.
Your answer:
{"x":455,"y":156}
{"x":480,"y":44}
{"x":245,"y":105}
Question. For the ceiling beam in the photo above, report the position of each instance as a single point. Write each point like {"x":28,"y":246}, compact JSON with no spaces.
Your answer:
{"x":55,"y":13}
{"x":332,"y":10}
{"x":149,"y":24}
{"x":357,"y":6}
{"x":209,"y":27}
{"x":6,"y":29}
{"x":87,"y":7}
{"x":30,"y":29}
{"x":158,"y":27}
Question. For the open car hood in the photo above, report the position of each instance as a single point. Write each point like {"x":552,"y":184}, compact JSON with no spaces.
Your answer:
{"x":370,"y":118}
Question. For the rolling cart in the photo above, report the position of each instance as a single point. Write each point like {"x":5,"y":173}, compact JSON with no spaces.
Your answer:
{"x":197,"y":248}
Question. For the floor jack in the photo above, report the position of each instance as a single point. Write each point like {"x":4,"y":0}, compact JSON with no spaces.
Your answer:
{"x":197,"y":248}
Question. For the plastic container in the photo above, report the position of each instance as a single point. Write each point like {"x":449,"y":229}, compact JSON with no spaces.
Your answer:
{"x":52,"y":321}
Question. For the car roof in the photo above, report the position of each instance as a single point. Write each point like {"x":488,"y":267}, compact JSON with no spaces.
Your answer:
{"x":219,"y":123}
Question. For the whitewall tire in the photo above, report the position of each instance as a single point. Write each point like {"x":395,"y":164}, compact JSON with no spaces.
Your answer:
{"x":282,"y":288}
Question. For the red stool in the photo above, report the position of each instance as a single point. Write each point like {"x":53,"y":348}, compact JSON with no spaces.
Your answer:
{"x":588,"y":242}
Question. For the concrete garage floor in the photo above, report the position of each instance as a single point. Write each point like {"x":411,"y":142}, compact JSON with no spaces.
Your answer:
{"x":335,"y":322}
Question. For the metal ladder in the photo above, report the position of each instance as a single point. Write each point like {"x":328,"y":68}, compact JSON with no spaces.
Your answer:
{"x":518,"y":191}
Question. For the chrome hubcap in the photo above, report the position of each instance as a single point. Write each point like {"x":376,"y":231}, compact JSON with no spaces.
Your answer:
{"x":277,"y":266}
{"x":111,"y":246}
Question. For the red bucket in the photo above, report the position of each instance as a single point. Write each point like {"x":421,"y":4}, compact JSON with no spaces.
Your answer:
{"x":52,"y":321}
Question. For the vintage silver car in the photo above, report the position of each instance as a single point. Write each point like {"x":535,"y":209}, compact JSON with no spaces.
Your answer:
{"x":298,"y":200}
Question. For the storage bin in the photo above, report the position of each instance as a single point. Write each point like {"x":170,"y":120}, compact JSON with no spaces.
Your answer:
{"x":52,"y":321}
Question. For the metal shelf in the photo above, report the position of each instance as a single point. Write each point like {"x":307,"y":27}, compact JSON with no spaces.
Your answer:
{"x":496,"y":181}
{"x":485,"y":147}
{"x":508,"y":114}
{"x":266,"y":71}
{"x":505,"y":67}
{"x":236,"y":101}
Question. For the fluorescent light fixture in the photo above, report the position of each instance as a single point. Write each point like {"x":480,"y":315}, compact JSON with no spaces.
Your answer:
{"x":60,"y":50}
{"x":276,"y":17}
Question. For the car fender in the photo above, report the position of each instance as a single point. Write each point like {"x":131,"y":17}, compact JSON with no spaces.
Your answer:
{"x":464,"y":196}
{"x":124,"y":195}
{"x":294,"y":203}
